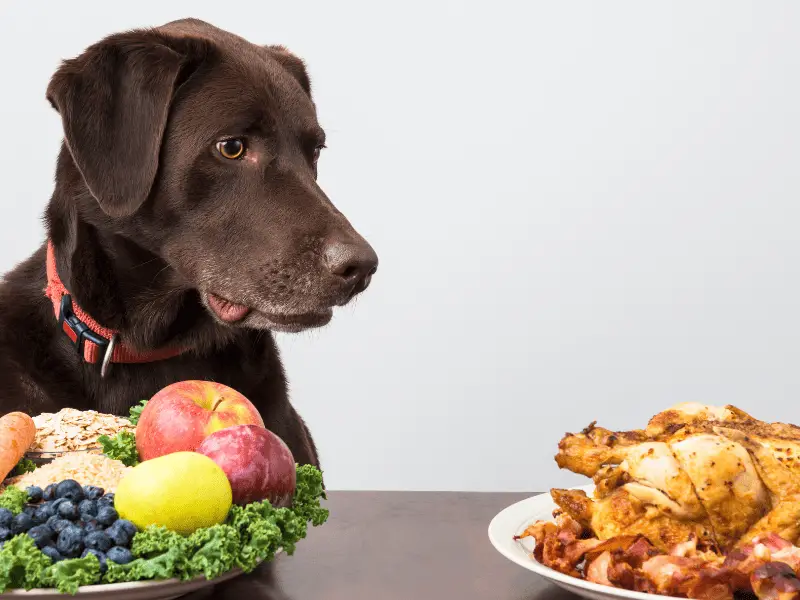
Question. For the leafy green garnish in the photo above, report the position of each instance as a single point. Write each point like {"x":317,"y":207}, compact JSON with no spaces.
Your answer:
{"x":213,"y":550}
{"x":166,"y":565}
{"x":21,"y":564}
{"x":155,"y":540}
{"x":68,"y":575}
{"x":23,"y":466}
{"x":309,"y":490}
{"x":121,"y":447}
{"x":14,"y":499}
{"x":259,"y":531}
{"x":136,"y":412}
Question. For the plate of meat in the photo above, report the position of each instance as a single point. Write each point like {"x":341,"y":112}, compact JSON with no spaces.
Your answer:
{"x":702,"y":503}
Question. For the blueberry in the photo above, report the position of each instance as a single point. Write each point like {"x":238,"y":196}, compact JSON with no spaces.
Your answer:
{"x":100,"y":556}
{"x":90,"y":526}
{"x":88,"y":507}
{"x":106,"y":515}
{"x":57,"y":524}
{"x":68,"y":510}
{"x":70,"y":541}
{"x":42,"y":535}
{"x":6,"y":516}
{"x":5,"y":534}
{"x":69,"y":489}
{"x":98,"y":540}
{"x":44,"y":512}
{"x":49,"y":492}
{"x":53,"y":554}
{"x":92,"y":492}
{"x":21,"y":523}
{"x":128,"y":527}
{"x":29,"y":510}
{"x":121,"y":556}
{"x":108,"y":499}
{"x":119,"y":533}
{"x":58,"y":502}
{"x":35,"y":493}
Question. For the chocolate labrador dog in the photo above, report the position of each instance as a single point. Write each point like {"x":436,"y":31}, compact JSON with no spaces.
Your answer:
{"x":186,"y":225}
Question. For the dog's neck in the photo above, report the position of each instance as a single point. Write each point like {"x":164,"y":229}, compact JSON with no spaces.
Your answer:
{"x":120,"y":284}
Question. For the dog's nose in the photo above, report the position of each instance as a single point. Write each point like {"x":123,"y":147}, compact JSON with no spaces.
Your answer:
{"x":355,"y":263}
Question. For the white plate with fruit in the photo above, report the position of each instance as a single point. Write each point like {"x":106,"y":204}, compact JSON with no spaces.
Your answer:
{"x":215,"y":494}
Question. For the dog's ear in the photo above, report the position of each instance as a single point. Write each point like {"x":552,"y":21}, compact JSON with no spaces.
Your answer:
{"x":293,"y":64}
{"x":114,"y":100}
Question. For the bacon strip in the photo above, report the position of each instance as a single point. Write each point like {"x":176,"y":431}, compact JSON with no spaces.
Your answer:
{"x":766,"y":567}
{"x":775,"y":581}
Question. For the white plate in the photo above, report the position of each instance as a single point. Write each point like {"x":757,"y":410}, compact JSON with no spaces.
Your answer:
{"x":513,"y":521}
{"x":165,"y":589}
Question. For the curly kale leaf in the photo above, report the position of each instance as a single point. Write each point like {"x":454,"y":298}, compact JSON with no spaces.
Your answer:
{"x":121,"y":447}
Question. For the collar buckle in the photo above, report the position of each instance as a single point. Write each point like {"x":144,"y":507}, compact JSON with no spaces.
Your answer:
{"x":76,"y":330}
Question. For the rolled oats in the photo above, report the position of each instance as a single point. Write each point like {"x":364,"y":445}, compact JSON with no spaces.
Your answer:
{"x":69,"y":430}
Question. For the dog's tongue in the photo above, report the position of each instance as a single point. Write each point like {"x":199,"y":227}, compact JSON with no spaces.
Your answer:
{"x":228,"y":311}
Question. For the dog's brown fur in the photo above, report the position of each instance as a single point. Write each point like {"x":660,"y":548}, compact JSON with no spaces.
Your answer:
{"x":147,"y":218}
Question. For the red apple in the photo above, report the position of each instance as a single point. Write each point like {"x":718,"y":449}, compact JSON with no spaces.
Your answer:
{"x":182,"y":415}
{"x":258,"y":464}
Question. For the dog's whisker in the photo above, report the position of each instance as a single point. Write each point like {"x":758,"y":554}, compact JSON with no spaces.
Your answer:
{"x":145,"y":263}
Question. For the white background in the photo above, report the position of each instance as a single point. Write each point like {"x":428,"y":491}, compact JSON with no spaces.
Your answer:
{"x":583,"y":211}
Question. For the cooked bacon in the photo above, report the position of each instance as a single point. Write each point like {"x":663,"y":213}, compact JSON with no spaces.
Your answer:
{"x":623,"y":575}
{"x":539,"y":531}
{"x":622,"y":543}
{"x":789,"y":556}
{"x":553,"y":556}
{"x":671,"y":574}
{"x":687,"y":577}
{"x":772,"y":542}
{"x":775,"y":581}
{"x":559,"y":545}
{"x":765,"y":566}
{"x":739,"y":565}
{"x":566,"y":523}
{"x":575,"y":552}
{"x":639,"y":552}
{"x":597,"y":569}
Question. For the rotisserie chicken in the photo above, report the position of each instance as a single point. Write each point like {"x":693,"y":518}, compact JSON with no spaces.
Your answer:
{"x":715,"y":473}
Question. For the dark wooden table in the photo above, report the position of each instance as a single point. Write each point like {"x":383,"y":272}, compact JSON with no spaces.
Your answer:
{"x":398,"y":546}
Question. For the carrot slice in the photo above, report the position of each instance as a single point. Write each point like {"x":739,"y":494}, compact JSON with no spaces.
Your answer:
{"x":17,"y":432}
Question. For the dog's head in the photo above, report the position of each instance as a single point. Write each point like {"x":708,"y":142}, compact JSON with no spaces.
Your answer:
{"x":203,"y":148}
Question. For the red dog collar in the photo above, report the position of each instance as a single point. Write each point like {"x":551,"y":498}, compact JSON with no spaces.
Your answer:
{"x":91,"y":340}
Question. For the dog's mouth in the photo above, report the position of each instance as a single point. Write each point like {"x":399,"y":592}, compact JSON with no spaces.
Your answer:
{"x":232,"y":313}
{"x":227,"y":311}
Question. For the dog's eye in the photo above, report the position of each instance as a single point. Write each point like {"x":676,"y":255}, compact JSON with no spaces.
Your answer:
{"x":231,"y":149}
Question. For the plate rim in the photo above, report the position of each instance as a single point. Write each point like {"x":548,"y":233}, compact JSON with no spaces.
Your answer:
{"x":521,"y":557}
{"x":110,"y":588}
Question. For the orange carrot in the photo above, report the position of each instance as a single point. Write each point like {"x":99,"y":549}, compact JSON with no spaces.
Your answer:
{"x":17,"y":432}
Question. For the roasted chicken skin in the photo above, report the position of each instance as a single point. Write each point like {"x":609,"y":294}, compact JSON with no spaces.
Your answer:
{"x":712,"y":472}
